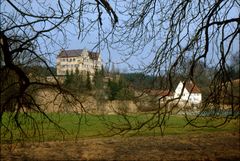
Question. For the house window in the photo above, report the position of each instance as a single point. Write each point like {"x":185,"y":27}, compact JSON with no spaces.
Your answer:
{"x":73,"y":59}
{"x":63,"y":60}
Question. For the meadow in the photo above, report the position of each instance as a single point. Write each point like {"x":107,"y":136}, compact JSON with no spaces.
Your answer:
{"x":70,"y":126}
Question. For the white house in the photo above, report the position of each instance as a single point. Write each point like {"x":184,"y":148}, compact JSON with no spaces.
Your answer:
{"x":81,"y":59}
{"x":188,"y":92}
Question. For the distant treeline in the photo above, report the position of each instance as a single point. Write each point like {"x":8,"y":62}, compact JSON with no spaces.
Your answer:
{"x":122,"y":86}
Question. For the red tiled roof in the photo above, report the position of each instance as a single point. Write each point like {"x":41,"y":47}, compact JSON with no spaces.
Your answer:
{"x":78,"y":52}
{"x":161,"y":92}
{"x":165,"y":93}
{"x":191,"y":87}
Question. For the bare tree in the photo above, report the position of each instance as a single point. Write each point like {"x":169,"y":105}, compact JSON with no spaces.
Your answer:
{"x":30,"y":30}
{"x":169,"y":31}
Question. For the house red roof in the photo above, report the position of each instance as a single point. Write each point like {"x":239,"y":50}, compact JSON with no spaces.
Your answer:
{"x":191,"y":87}
{"x":161,"y":92}
{"x":165,"y":93}
{"x":78,"y":52}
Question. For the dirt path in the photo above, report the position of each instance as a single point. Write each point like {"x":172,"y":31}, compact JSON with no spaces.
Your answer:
{"x":208,"y":146}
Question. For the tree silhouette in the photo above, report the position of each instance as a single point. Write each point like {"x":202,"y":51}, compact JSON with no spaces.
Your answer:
{"x":29,"y":32}
{"x":171,"y":31}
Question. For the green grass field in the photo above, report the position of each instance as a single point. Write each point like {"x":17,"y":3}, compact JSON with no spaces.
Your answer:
{"x":36,"y":127}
